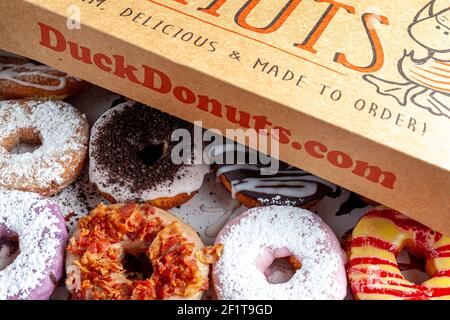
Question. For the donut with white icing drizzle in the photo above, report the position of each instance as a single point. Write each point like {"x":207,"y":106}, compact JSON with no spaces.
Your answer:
{"x":130,"y":157}
{"x":256,"y":241}
{"x":57,"y":136}
{"x":21,"y":78}
{"x":288,"y":186}
{"x":31,"y":272}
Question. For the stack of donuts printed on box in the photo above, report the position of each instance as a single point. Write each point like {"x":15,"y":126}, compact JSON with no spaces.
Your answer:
{"x":86,"y":186}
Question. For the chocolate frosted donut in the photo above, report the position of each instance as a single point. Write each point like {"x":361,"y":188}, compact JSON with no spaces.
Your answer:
{"x":130,"y":157}
{"x":289,"y":186}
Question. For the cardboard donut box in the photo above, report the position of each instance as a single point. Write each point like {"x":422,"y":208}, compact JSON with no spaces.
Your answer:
{"x":359,"y":90}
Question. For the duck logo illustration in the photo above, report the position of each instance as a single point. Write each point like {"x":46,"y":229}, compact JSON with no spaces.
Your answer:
{"x":427,"y":77}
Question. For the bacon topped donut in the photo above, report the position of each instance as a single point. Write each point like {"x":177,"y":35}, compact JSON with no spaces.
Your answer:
{"x":134,"y":252}
{"x":372,"y":249}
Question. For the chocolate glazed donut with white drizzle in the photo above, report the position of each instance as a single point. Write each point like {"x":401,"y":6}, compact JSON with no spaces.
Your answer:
{"x":21,"y":78}
{"x":289,"y":186}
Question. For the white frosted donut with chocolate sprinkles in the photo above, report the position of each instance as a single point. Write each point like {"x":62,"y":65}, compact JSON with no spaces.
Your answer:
{"x":130,"y":157}
{"x":256,"y":240}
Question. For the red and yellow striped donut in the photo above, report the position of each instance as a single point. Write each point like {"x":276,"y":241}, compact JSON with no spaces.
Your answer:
{"x":372,"y":249}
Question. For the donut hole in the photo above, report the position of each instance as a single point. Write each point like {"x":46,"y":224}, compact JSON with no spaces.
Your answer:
{"x":282,"y":269}
{"x":137,"y":266}
{"x":152,"y":153}
{"x":278,"y":266}
{"x":23,"y":141}
{"x":412,"y":267}
{"x":9,"y":249}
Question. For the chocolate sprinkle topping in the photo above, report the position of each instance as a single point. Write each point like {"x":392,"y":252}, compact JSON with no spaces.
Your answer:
{"x":134,"y":147}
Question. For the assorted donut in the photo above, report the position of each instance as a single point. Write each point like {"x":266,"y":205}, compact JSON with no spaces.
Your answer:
{"x":22,"y":78}
{"x":130,"y":157}
{"x":254,"y":187}
{"x":256,"y":238}
{"x":60,"y":135}
{"x":134,"y":251}
{"x":85,"y":209}
{"x":36,"y":225}
{"x":372,"y":250}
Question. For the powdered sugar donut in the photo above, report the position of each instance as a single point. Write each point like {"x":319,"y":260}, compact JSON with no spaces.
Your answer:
{"x":60,"y":134}
{"x":256,"y":240}
{"x":21,"y":78}
{"x":130,"y":157}
{"x":39,"y":227}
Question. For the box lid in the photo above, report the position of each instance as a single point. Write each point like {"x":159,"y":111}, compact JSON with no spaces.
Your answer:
{"x":360,"y":90}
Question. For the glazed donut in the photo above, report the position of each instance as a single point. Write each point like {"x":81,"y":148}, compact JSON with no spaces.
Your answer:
{"x":21,"y":78}
{"x":61,"y":134}
{"x":140,"y":137}
{"x":32,"y":272}
{"x":289,"y":186}
{"x":256,"y":239}
{"x":378,"y":238}
{"x":137,"y":252}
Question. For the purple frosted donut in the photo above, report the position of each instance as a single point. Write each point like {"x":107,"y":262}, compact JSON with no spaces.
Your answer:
{"x":32,"y":272}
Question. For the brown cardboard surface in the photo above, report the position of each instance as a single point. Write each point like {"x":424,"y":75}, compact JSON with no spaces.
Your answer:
{"x":335,"y":122}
